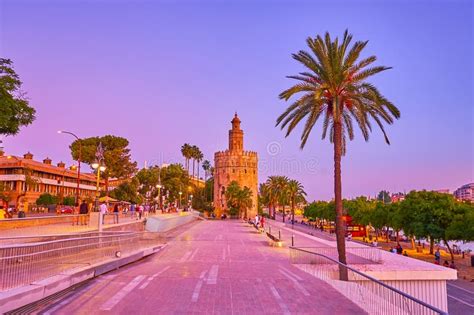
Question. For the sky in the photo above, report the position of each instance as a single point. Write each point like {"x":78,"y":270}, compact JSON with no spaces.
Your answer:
{"x":164,"y":73}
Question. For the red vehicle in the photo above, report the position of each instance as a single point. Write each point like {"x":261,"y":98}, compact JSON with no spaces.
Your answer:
{"x":65,"y":210}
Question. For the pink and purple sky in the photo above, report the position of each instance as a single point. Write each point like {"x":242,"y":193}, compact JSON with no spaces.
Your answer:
{"x":161,"y":74}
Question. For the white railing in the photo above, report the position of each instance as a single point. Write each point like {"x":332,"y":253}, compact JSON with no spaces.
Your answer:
{"x":372,"y":295}
{"x":26,"y":262}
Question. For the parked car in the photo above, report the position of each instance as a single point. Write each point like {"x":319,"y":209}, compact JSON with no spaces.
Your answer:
{"x":65,"y":210}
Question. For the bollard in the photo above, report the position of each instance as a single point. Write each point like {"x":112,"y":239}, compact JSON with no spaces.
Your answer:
{"x":279,"y":234}
{"x":269,"y":230}
{"x":292,"y":240}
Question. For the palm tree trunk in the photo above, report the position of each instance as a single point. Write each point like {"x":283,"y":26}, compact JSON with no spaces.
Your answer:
{"x":198,"y":170}
{"x":193,"y":167}
{"x":340,"y":230}
{"x":292,"y":212}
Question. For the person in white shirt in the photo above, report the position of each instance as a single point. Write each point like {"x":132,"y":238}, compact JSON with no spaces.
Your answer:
{"x":103,"y":211}
{"x":257,"y":220}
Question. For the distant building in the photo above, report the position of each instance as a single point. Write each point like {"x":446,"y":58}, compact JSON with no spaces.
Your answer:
{"x":397,"y":197}
{"x":235,"y":164}
{"x":442,"y":191}
{"x":465,"y":192}
{"x":46,"y":178}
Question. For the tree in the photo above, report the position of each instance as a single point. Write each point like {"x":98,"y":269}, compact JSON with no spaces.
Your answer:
{"x":127,"y":191}
{"x":384,"y":196}
{"x":186,"y":151}
{"x":296,"y":194}
{"x":239,"y":200}
{"x":5,"y":194}
{"x":199,"y":156}
{"x":277,"y":192}
{"x":148,"y":178}
{"x":15,"y":108}
{"x":431,"y":215}
{"x":334,"y":88}
{"x":46,"y":200}
{"x":117,"y":157}
{"x":206,"y":166}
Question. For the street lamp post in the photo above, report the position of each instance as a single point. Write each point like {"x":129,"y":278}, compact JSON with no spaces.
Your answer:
{"x":99,"y":168}
{"x":78,"y":162}
{"x":180,"y":193}
{"x":159,"y":194}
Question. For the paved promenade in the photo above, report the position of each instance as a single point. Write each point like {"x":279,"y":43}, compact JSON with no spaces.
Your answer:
{"x":215,"y":267}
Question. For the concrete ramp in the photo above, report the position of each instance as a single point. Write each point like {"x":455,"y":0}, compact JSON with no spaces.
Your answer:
{"x":163,"y":223}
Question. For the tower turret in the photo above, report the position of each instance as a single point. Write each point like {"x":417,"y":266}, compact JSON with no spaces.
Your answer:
{"x":236,"y":136}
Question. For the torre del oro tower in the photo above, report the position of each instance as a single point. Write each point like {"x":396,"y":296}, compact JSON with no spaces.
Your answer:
{"x":235,"y":164}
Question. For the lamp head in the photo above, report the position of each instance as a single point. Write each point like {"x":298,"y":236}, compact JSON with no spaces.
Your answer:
{"x":102,"y":168}
{"x":95,"y":165}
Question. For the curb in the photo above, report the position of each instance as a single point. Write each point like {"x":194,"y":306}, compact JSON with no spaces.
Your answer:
{"x":38,"y":290}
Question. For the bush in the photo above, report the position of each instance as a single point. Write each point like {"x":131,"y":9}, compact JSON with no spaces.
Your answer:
{"x":46,"y":200}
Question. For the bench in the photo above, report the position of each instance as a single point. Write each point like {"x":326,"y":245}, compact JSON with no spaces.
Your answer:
{"x":274,"y":241}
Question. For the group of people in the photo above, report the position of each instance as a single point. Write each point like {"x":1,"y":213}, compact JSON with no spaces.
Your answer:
{"x":446,"y":264}
{"x":259,"y":222}
{"x":139,"y":211}
{"x":398,"y":250}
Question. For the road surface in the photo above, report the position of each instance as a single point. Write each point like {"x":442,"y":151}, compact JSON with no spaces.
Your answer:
{"x":215,"y":267}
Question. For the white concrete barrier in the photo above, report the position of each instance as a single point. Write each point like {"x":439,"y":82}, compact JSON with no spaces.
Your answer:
{"x":166,"y":222}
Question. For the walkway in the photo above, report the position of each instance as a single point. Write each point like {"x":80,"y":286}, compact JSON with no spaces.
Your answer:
{"x":215,"y":267}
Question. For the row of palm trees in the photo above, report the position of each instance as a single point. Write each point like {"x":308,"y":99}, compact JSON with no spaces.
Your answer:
{"x":194,"y":154}
{"x":281,"y":191}
{"x":333,"y":87}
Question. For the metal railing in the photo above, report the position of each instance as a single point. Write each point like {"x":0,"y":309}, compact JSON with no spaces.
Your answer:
{"x":372,"y":295}
{"x":22,"y":264}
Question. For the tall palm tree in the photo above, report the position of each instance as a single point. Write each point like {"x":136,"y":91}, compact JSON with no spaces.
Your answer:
{"x":194,"y":153}
{"x":278,"y":186}
{"x":296,"y":194}
{"x":206,"y":166}
{"x":334,"y":88}
{"x":186,"y":151}
{"x":199,"y":156}
{"x":271,"y":191}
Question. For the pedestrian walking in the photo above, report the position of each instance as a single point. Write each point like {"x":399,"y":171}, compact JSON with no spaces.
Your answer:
{"x":84,"y":212}
{"x":146,"y":210}
{"x":116,"y":213}
{"x":437,"y":256}
{"x":140,"y":212}
{"x":132,"y":211}
{"x":103,"y":211}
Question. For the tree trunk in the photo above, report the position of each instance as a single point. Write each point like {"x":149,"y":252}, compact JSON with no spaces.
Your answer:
{"x":398,"y":237}
{"x":292,"y":212}
{"x":340,"y":230}
{"x":431,"y":246}
{"x":193,"y":167}
{"x":198,"y":170}
{"x":412,"y":242}
{"x":449,"y":249}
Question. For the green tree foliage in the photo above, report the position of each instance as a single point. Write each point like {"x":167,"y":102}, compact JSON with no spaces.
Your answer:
{"x":46,"y":200}
{"x":127,"y":191}
{"x":296,"y":193}
{"x":320,"y":210}
{"x":68,"y":201}
{"x":334,"y":88}
{"x":239,"y":199}
{"x":15,"y":110}
{"x":117,"y":157}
